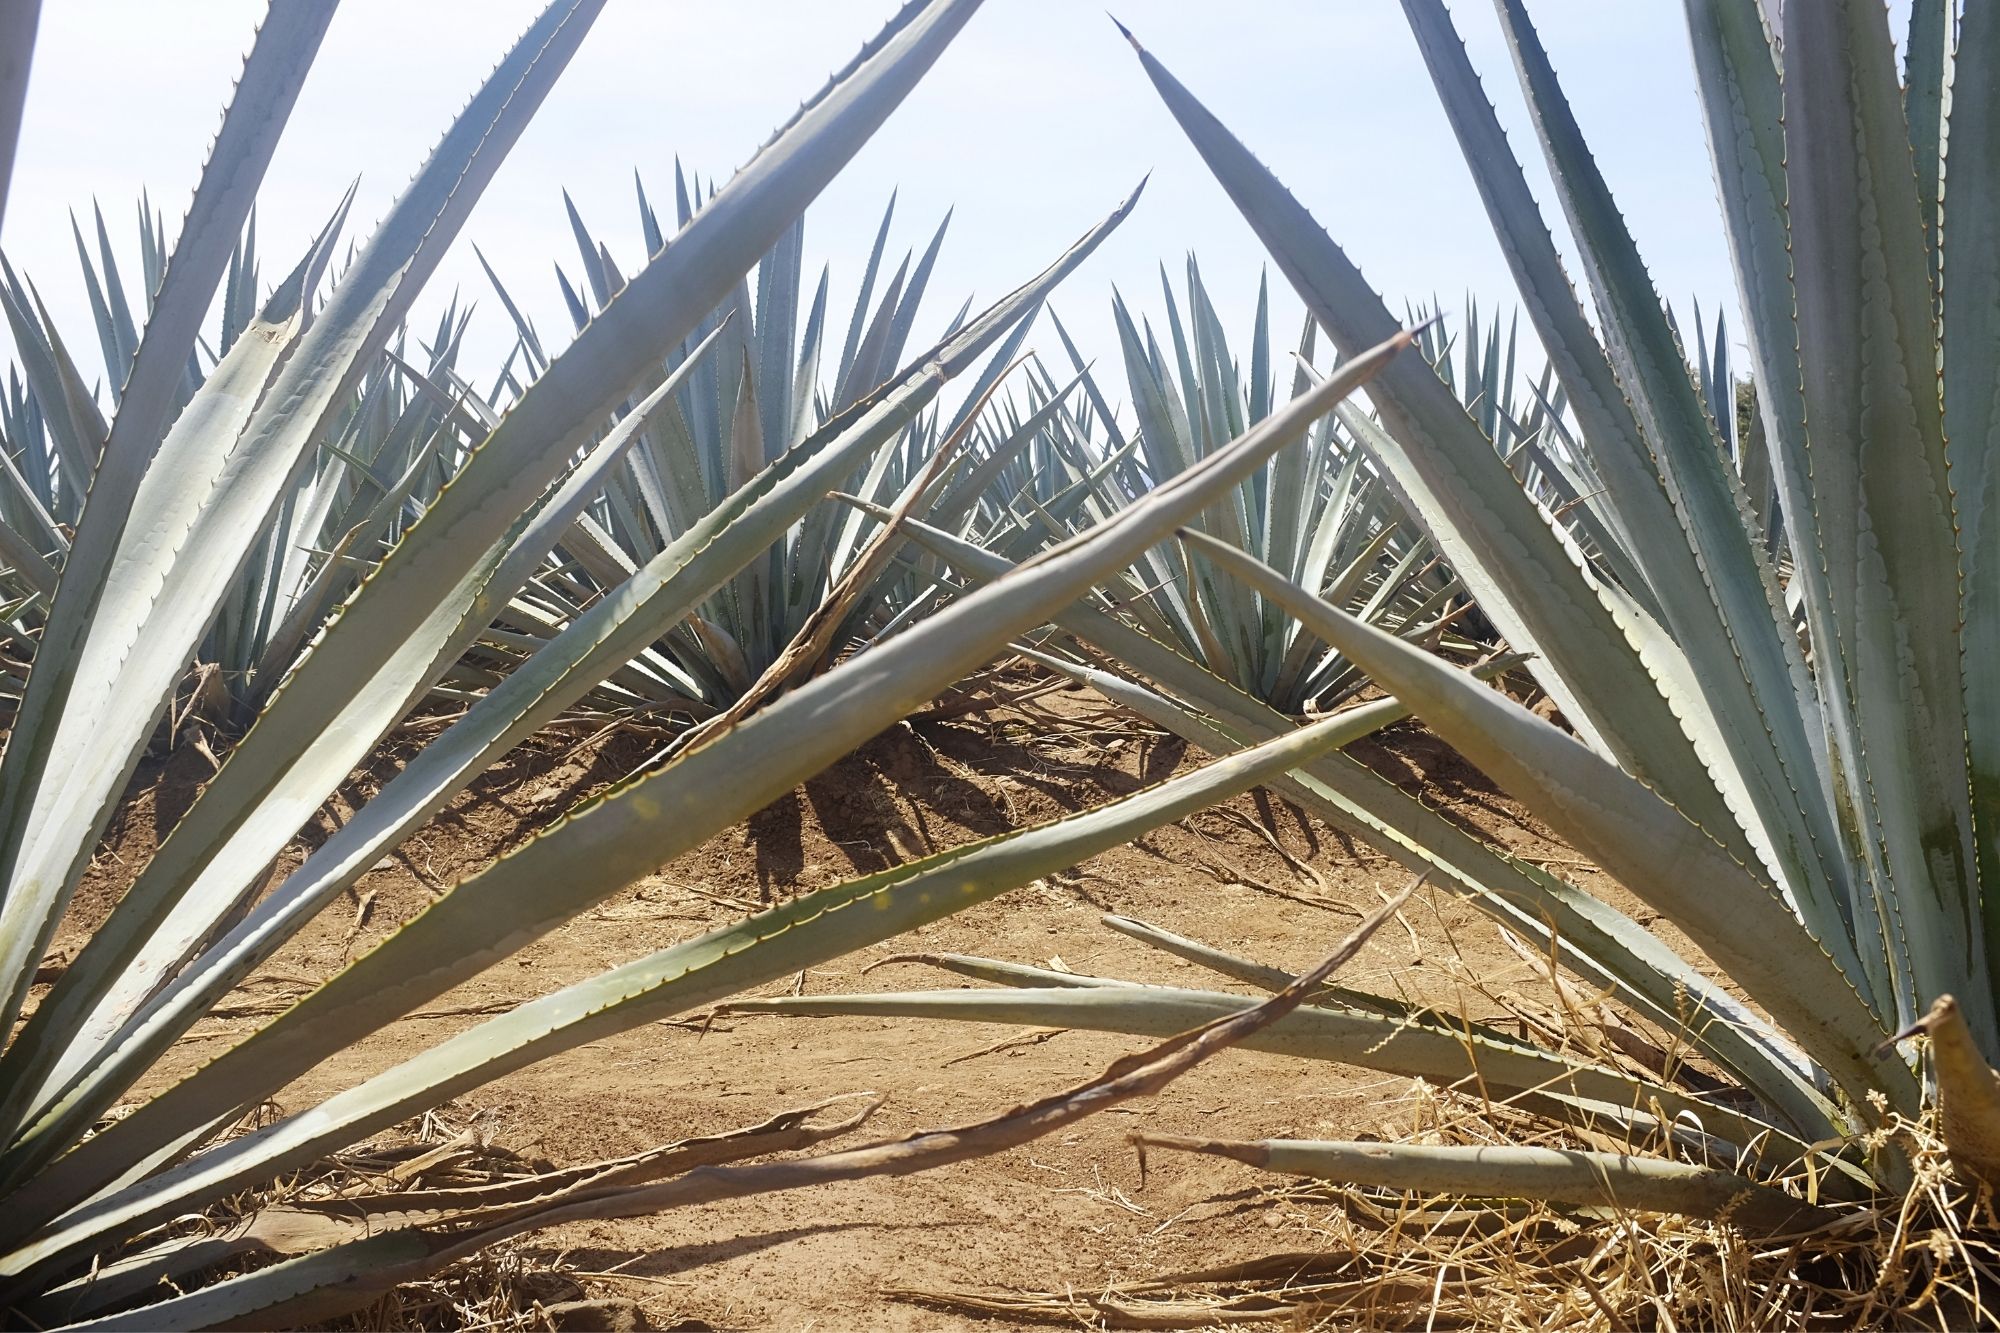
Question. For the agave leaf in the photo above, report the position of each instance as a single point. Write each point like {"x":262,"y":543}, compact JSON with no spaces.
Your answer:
{"x":999,"y":972}
{"x":1971,"y":327}
{"x":1867,"y":342}
{"x":862,"y":374}
{"x":777,"y":328}
{"x":17,"y":40}
{"x":117,"y":353}
{"x":249,"y":1295}
{"x":1929,"y":71}
{"x":855,"y":323}
{"x":1558,"y":1175}
{"x":906,"y":309}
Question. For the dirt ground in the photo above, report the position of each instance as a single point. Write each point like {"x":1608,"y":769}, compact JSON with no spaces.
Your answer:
{"x":1256,"y":877}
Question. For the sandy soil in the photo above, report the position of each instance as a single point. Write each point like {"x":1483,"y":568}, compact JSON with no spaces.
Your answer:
{"x":1068,"y":1212}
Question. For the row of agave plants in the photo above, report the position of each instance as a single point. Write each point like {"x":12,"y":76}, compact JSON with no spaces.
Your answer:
{"x":1025,"y":471}
{"x":696,"y":515}
{"x":1033,"y":466}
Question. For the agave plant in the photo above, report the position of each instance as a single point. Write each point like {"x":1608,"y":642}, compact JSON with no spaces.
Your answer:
{"x":379,"y":464}
{"x":1053,"y":464}
{"x":1324,"y":514}
{"x":1047,"y":461}
{"x":1787,"y":758}
{"x":757,"y":397}
{"x":90,"y":1194}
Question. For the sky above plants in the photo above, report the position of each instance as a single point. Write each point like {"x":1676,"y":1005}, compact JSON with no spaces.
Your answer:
{"x":1032,"y":126}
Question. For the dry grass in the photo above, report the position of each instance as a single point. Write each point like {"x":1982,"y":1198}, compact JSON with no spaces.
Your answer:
{"x":1375,"y":1259}
{"x":509,"y":1289}
{"x":500,"y":1291}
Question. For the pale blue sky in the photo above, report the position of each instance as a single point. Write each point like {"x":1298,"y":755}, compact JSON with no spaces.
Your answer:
{"x":1033,"y":125}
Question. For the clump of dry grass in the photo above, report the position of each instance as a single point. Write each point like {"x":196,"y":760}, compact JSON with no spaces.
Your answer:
{"x":1925,"y":1260}
{"x":498,"y":1291}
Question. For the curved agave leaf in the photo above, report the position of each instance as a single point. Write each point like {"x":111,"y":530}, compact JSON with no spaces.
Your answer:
{"x":1971,"y":333}
{"x":17,"y":39}
{"x":1559,"y":1175}
{"x":289,"y":1280}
